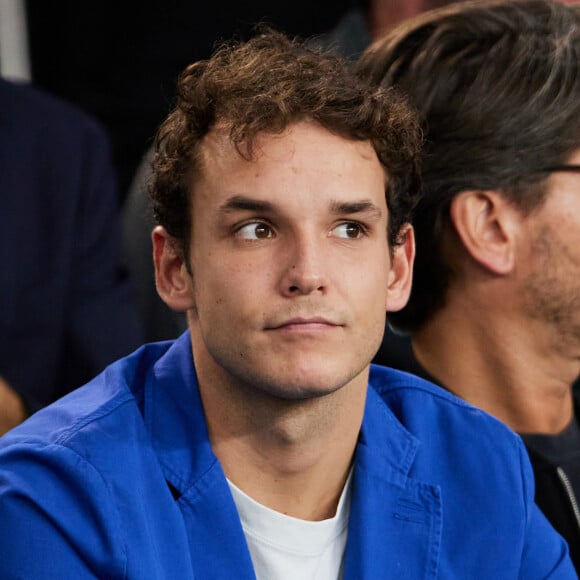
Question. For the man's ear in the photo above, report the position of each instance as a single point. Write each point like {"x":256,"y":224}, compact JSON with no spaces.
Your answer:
{"x":401,"y":272}
{"x":172,"y":278}
{"x":487,"y":225}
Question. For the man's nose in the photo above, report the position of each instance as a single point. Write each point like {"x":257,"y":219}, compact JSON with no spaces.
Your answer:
{"x":305,"y":268}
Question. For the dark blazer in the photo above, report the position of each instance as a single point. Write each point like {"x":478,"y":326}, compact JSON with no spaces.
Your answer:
{"x":66,"y":309}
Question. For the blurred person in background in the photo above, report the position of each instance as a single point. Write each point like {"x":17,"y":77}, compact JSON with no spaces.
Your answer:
{"x":494,"y":313}
{"x":66,"y":306}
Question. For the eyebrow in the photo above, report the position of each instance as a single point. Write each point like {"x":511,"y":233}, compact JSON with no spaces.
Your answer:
{"x":354,"y":207}
{"x":243,"y":203}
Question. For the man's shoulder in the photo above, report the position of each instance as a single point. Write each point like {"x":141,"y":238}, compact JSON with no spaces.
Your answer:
{"x":424,"y":409}
{"x":108,"y":405}
{"x":393,"y":384}
{"x":456,"y":445}
{"x":84,"y":474}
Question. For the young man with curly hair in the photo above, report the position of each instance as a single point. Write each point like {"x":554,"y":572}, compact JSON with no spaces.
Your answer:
{"x":261,"y":444}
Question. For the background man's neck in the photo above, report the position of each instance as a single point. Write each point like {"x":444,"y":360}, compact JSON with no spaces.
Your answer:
{"x":499,"y":365}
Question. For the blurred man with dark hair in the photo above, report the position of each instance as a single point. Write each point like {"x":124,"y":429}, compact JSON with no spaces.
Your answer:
{"x":494,"y":312}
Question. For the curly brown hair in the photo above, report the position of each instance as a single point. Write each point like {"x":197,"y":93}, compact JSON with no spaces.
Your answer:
{"x":265,"y":85}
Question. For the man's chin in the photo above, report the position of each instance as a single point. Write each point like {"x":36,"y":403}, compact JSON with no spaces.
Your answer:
{"x":304,"y":384}
{"x":301,"y":392}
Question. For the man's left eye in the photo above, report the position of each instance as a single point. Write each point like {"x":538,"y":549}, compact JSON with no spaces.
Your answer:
{"x":349,"y":231}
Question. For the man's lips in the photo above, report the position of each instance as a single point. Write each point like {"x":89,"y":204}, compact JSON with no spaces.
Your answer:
{"x":304,"y":324}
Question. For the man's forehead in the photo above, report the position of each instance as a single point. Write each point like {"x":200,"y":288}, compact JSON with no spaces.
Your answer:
{"x":304,"y":156}
{"x":218,"y":147}
{"x":220,"y":141}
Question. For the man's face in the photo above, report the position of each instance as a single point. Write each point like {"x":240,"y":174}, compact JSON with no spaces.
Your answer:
{"x":551,"y":286}
{"x":290,"y":262}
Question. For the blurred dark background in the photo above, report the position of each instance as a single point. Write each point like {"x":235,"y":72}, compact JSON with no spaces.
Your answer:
{"x":119,"y":60}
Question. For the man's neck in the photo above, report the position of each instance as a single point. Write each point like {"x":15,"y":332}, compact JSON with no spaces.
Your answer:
{"x":501,"y":365}
{"x":291,"y":456}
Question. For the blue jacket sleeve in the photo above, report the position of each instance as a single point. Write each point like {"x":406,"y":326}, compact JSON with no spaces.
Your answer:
{"x":57,"y":517}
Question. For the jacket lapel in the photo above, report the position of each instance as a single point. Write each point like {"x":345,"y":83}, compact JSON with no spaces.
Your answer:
{"x":217,"y":543}
{"x":395,"y":521}
{"x":174,"y":416}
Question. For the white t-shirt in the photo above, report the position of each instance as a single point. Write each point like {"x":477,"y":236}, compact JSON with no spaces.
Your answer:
{"x":287,"y":548}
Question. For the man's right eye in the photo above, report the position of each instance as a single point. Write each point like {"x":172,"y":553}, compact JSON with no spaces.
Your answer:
{"x":255,"y":231}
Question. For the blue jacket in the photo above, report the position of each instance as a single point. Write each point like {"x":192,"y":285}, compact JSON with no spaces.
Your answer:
{"x":66,"y":310}
{"x":118,"y":480}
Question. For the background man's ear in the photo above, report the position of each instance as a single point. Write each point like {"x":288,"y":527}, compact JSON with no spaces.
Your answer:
{"x":401,"y":272}
{"x":173,"y":280}
{"x":487,"y":225}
